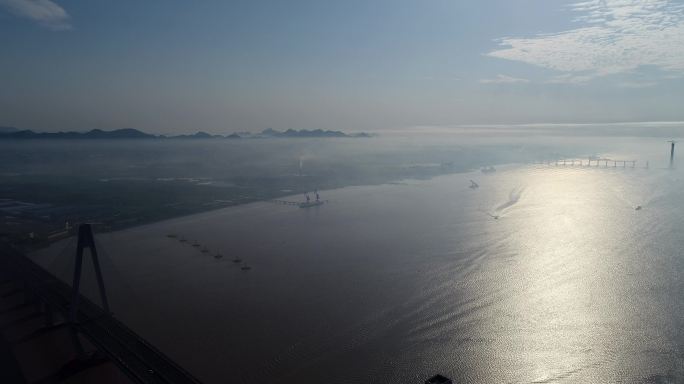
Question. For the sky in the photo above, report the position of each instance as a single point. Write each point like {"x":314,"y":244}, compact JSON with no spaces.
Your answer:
{"x":229,"y":66}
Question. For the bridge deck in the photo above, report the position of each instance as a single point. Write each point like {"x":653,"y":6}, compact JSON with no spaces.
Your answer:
{"x":136,"y":357}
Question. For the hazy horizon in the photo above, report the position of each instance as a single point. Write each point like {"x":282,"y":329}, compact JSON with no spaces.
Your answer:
{"x":672,"y":129}
{"x":172,"y":67}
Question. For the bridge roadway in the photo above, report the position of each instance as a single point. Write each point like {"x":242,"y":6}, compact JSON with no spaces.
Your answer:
{"x":137,"y":358}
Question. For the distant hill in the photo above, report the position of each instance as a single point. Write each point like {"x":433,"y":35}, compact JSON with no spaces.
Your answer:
{"x":198,"y":135}
{"x":130,"y":133}
{"x":126,"y":133}
{"x":308,"y":133}
{"x":7,"y":129}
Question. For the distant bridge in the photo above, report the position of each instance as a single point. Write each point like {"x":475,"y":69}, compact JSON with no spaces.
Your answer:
{"x":136,"y":357}
{"x":593,"y":162}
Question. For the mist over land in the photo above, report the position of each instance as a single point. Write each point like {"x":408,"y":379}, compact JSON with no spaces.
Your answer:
{"x":131,"y":181}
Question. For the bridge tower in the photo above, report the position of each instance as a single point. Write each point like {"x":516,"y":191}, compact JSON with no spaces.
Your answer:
{"x":86,"y":240}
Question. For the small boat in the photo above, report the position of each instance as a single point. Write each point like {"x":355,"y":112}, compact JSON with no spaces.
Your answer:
{"x":246,"y":268}
{"x":172,"y":236}
{"x":183,"y":239}
{"x":195,"y":244}
{"x":218,"y":256}
{"x":237,"y":260}
{"x":637,"y":208}
{"x":474,"y":185}
{"x":204,"y":249}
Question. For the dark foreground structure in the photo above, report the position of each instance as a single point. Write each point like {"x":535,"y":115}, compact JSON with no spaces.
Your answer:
{"x":62,"y":306}
{"x":137,"y":358}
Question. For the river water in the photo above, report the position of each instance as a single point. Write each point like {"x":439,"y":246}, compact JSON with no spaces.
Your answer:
{"x":542,"y":274}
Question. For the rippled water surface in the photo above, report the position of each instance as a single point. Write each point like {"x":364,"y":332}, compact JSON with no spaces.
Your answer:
{"x":542,"y":274}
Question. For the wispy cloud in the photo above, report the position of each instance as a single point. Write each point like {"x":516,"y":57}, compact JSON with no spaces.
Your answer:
{"x":571,"y":78}
{"x":616,"y":36}
{"x":503,"y":79}
{"x":637,"y":84}
{"x":44,"y":12}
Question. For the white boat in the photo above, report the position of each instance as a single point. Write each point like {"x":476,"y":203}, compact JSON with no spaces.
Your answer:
{"x":310,"y":203}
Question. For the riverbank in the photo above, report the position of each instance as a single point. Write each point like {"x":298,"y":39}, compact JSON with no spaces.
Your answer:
{"x":48,"y":186}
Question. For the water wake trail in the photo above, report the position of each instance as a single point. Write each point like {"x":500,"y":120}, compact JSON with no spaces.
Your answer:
{"x":513,"y":198}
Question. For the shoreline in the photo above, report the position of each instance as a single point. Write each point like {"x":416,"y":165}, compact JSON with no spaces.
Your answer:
{"x":290,"y":195}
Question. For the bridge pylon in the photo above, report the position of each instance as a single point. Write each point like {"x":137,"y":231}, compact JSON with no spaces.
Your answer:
{"x":86,"y":240}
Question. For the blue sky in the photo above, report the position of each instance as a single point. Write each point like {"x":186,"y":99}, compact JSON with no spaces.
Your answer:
{"x":225,"y":66}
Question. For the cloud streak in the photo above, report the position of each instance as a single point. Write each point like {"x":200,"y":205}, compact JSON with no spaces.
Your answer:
{"x":44,"y":12}
{"x":616,"y":37}
{"x":503,"y":79}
